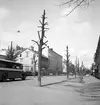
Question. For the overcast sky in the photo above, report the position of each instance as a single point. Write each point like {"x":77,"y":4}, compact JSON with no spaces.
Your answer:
{"x":80,"y":30}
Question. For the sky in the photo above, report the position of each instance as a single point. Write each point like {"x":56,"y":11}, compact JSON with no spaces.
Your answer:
{"x":80,"y":30}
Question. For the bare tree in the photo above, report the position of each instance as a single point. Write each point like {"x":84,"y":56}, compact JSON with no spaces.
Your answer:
{"x":75,"y":3}
{"x":67,"y":61}
{"x":78,"y":67}
{"x":81,"y":69}
{"x":41,"y":43}
{"x":75,"y":66}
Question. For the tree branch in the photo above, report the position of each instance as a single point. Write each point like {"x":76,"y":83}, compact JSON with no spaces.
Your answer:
{"x":75,"y":7}
{"x":39,"y":35}
{"x":35,"y":42}
{"x":45,"y":43}
{"x":87,"y":3}
{"x":68,"y":2}
{"x":76,"y":3}
{"x":46,"y":23}
{"x":45,"y":37}
{"x":43,"y":48}
{"x":40,"y":22}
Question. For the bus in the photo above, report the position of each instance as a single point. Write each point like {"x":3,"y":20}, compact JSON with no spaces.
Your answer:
{"x":11,"y":70}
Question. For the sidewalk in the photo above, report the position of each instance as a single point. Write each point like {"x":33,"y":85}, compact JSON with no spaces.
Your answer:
{"x":67,"y":89}
{"x":51,"y":80}
{"x":47,"y":80}
{"x":90,"y":79}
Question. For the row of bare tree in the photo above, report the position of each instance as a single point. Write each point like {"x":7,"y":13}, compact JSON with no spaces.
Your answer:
{"x":70,"y":68}
{"x":77,"y":68}
{"x":41,"y":44}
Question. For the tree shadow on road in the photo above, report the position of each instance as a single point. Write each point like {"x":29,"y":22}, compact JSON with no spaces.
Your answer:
{"x":54,"y":83}
{"x":59,"y":82}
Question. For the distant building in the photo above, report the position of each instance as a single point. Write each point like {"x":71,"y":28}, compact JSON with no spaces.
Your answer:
{"x":3,"y":52}
{"x":55,"y":62}
{"x":97,"y":60}
{"x":64,"y":66}
{"x":51,"y":62}
{"x":29,"y":59}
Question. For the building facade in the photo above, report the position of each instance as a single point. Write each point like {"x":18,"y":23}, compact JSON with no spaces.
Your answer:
{"x":29,"y":59}
{"x":55,"y":62}
{"x":51,"y":64}
{"x":97,"y":60}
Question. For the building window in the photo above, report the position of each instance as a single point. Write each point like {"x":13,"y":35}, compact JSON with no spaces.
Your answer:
{"x":21,"y":59}
{"x":20,"y":55}
{"x":27,"y":53}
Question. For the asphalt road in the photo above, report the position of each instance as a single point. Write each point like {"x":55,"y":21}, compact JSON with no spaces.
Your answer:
{"x":91,"y":93}
{"x":55,"y":91}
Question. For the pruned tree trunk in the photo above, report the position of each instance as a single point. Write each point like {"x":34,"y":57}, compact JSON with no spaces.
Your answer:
{"x":67,"y":62}
{"x":40,"y":44}
{"x":39,"y":65}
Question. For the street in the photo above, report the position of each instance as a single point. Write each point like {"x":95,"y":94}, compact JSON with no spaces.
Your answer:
{"x":55,"y":90}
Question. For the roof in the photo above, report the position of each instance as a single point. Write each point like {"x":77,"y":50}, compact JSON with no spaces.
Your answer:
{"x":20,"y":51}
{"x":51,"y":50}
{"x":4,"y":60}
{"x":2,"y":56}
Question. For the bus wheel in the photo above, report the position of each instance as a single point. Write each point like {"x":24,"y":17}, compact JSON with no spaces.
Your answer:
{"x":23,"y":77}
{"x":4,"y":77}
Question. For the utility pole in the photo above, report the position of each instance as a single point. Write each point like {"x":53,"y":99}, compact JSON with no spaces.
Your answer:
{"x":67,"y":62}
{"x":41,"y":43}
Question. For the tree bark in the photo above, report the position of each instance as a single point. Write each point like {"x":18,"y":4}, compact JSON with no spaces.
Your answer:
{"x":39,"y":65}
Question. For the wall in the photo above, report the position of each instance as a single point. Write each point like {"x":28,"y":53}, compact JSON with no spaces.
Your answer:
{"x":26,"y":58}
{"x":55,"y":61}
